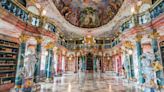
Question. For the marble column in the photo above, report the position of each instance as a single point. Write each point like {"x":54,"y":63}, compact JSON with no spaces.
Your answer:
{"x":95,"y":63}
{"x":154,"y":36}
{"x":22,"y":47}
{"x":139,"y":53}
{"x":129,"y":58}
{"x":83,"y":63}
{"x":127,"y":67}
{"x":49,"y":59}
{"x":131,"y":66}
{"x":37,"y":66}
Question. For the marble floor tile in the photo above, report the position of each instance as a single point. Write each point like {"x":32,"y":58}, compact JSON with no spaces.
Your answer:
{"x":91,"y":82}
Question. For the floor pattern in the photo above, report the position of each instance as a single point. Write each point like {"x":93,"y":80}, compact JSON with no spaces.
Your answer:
{"x":90,"y":82}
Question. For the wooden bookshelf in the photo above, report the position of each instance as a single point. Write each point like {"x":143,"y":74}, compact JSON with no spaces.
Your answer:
{"x":8,"y":61}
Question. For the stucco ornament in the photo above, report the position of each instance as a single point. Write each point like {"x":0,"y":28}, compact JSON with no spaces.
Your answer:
{"x":149,"y":73}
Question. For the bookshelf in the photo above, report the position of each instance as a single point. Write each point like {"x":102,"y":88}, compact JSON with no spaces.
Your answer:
{"x":8,"y":61}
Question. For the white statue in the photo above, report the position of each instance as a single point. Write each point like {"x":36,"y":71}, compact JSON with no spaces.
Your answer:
{"x":148,"y":72}
{"x":29,"y":64}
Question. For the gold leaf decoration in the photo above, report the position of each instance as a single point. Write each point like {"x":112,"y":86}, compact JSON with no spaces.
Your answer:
{"x":138,"y":38}
{"x":50,"y":45}
{"x":128,"y":44}
{"x":24,"y":37}
{"x":39,"y":40}
{"x":157,"y":66}
{"x":154,"y":35}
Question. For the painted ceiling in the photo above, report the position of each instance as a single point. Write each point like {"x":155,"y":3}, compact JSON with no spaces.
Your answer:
{"x":88,"y":13}
{"x":70,"y":30}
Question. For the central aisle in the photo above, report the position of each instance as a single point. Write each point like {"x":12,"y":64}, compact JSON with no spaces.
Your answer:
{"x":92,"y":82}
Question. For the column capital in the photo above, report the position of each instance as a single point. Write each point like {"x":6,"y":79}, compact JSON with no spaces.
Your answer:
{"x":138,"y":38}
{"x":128,"y":44}
{"x":50,"y":45}
{"x":154,"y":35}
{"x":39,"y":40}
{"x":24,"y":37}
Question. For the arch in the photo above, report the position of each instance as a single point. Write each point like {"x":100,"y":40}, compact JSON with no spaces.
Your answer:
{"x":144,"y":7}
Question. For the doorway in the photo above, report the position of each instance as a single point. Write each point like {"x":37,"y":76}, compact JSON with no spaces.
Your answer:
{"x":89,"y":63}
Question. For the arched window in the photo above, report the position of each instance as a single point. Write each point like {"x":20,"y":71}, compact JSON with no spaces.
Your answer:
{"x":23,"y":2}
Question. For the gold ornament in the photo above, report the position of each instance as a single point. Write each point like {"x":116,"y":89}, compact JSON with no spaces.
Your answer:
{"x":24,"y":37}
{"x":128,"y":44}
{"x":39,"y":40}
{"x":50,"y":45}
{"x":157,"y":66}
{"x":154,"y":35}
{"x":138,"y":38}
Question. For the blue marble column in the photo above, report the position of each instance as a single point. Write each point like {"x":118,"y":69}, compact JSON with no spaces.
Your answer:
{"x":154,"y":35}
{"x":49,"y":59}
{"x":49,"y":64}
{"x":127,"y":67}
{"x":131,"y":66}
{"x":20,"y":64}
{"x":37,"y":66}
{"x":95,"y":65}
{"x":83,"y":63}
{"x":139,"y":53}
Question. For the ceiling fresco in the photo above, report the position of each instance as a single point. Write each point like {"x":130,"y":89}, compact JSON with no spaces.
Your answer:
{"x":88,"y":13}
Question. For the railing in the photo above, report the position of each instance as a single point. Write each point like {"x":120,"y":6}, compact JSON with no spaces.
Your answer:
{"x":37,"y":21}
{"x":145,"y":17}
{"x":72,"y":46}
{"x":26,"y":16}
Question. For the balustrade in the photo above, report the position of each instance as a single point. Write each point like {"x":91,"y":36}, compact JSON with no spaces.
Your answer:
{"x":145,"y":17}
{"x":22,"y":13}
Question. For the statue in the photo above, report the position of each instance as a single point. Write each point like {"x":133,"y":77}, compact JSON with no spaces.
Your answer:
{"x":149,"y":71}
{"x":27,"y":71}
{"x":29,"y":64}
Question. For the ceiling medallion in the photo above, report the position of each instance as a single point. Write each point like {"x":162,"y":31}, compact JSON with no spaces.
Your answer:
{"x":88,"y":13}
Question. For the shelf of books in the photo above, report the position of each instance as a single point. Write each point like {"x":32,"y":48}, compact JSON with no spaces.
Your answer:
{"x":8,"y":62}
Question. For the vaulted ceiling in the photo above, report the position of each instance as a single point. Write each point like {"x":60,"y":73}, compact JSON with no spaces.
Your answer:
{"x":88,"y":13}
{"x":76,"y":18}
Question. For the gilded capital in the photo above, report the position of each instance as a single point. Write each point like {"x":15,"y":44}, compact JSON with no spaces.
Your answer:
{"x":39,"y":40}
{"x":23,"y":37}
{"x":50,"y":45}
{"x":138,"y":38}
{"x":154,"y":35}
{"x":128,"y":44}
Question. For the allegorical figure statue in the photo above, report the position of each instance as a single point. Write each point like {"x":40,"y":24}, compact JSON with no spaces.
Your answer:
{"x":29,"y":64}
{"x":149,"y":71}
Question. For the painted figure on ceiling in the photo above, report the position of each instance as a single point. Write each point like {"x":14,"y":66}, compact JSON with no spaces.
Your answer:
{"x":73,"y":11}
{"x":89,"y":18}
